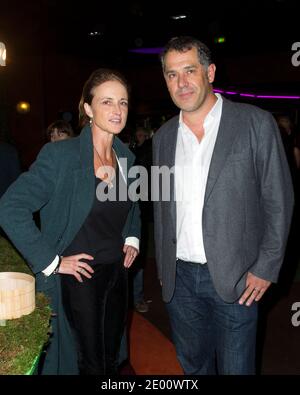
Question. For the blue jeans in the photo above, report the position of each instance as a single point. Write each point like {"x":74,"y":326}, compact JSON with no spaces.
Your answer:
{"x":210,"y":335}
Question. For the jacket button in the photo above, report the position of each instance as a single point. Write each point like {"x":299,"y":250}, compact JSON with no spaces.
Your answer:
{"x":174,"y":241}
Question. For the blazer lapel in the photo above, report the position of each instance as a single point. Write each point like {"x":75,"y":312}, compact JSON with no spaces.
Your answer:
{"x":83,"y":185}
{"x":227,"y":131}
{"x":84,"y":181}
{"x":125,"y":157}
{"x":168,"y":155}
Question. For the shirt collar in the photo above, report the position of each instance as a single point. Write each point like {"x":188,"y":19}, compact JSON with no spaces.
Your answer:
{"x":213,"y":113}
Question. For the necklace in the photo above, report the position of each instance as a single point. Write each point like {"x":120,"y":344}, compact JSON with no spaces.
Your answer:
{"x":105,"y":172}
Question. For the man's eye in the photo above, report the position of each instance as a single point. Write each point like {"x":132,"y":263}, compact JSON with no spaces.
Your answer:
{"x":171,"y":76}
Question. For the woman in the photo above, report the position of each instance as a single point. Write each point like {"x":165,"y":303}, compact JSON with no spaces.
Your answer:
{"x":86,"y":243}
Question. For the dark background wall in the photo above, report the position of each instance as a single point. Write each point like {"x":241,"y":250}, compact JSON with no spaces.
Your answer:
{"x":51,"y":53}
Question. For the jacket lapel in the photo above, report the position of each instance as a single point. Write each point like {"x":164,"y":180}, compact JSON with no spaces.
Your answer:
{"x":83,"y":184}
{"x":125,"y":157}
{"x":168,"y":154}
{"x":227,"y":131}
{"x":84,"y":180}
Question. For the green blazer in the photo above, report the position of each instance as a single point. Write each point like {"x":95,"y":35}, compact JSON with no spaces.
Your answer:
{"x":61,"y":185}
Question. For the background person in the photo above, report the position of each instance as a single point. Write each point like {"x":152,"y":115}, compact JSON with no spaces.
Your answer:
{"x":59,"y":130}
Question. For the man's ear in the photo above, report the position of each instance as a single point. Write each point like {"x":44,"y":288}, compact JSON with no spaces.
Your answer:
{"x":211,"y":70}
{"x":88,"y":110}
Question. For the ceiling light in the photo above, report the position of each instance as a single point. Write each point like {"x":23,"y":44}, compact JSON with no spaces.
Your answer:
{"x":23,"y":107}
{"x":220,"y":40}
{"x":180,"y":16}
{"x":93,"y":34}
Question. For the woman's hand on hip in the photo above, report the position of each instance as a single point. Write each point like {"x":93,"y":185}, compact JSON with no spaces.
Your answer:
{"x":130,"y":254}
{"x":72,"y":265}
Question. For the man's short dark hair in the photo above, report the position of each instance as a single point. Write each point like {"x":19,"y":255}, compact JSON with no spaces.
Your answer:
{"x":184,"y":44}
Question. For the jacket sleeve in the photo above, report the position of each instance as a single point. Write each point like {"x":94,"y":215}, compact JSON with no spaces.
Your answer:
{"x":133,"y":228}
{"x":277,"y":199}
{"x":31,"y":191}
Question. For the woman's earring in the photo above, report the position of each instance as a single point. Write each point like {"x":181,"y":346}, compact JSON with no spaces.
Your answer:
{"x":91,"y":121}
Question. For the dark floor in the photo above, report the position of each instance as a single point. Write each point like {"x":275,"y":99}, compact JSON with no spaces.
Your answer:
{"x":278,"y":346}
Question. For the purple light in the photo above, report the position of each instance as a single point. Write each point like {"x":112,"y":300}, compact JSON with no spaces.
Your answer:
{"x":256,"y":95}
{"x":277,"y":97}
{"x":147,"y":51}
{"x":247,"y":94}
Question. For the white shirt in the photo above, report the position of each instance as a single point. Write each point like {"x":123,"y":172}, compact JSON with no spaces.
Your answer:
{"x":192,"y":162}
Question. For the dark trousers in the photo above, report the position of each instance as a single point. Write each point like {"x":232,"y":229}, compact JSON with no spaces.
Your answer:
{"x":210,"y":335}
{"x":97,"y":312}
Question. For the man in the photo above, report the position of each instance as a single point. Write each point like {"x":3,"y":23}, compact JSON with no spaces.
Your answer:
{"x":220,"y":241}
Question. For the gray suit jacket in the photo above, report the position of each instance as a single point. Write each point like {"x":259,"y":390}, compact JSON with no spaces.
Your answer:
{"x":248,"y":202}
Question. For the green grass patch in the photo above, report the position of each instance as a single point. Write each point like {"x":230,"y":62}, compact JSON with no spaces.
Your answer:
{"x":11,"y":260}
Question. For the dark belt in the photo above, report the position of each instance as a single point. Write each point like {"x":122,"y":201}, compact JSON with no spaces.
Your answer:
{"x":193,"y":263}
